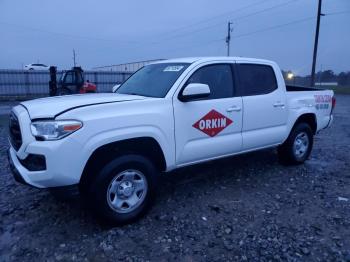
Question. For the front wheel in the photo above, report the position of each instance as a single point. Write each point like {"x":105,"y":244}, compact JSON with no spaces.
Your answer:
{"x":123,"y":189}
{"x":297,"y":148}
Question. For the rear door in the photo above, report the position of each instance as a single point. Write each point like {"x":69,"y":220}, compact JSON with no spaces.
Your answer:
{"x":264,"y":105}
{"x":209,"y":127}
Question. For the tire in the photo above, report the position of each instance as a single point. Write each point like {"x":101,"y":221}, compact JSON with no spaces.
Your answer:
{"x":297,"y":148}
{"x":124,"y":189}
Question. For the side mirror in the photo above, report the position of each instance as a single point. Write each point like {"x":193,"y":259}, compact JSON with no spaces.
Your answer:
{"x":114,"y":88}
{"x":194,"y":91}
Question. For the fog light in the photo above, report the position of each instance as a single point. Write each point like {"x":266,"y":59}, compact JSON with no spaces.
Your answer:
{"x":34,"y":162}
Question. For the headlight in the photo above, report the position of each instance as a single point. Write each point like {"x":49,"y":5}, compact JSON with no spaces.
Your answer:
{"x":54,"y":130}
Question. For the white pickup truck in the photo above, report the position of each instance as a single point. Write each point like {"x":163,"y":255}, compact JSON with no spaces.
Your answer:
{"x":167,"y":115}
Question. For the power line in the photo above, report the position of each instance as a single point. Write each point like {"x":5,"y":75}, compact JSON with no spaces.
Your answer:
{"x":57,"y":33}
{"x":264,"y":29}
{"x":338,"y":13}
{"x":198,"y":44}
{"x":247,"y":34}
{"x":273,"y":27}
{"x":286,"y":24}
{"x":264,"y":10}
{"x":203,"y":28}
{"x":178,"y":29}
{"x":216,"y":17}
{"x":259,"y":31}
{"x":190,"y":33}
{"x":253,"y":32}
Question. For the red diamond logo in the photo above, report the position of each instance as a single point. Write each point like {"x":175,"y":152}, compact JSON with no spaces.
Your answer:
{"x":212,"y":123}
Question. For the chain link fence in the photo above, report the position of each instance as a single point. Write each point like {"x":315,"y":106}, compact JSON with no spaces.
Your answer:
{"x":24,"y":84}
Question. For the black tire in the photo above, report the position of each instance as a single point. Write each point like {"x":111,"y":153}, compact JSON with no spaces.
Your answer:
{"x":288,"y":153}
{"x":100,"y":186}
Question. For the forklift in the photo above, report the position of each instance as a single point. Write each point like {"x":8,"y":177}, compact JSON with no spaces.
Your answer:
{"x":71,"y":82}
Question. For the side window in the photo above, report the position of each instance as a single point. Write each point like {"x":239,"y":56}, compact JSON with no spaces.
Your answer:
{"x":218,"y":77}
{"x":256,"y":79}
{"x":79,"y":78}
{"x":69,"y":79}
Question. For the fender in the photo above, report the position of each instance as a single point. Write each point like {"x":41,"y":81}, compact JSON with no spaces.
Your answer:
{"x":295,"y":114}
{"x":121,"y":134}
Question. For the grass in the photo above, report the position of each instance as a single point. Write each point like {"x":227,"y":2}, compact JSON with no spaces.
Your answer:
{"x":338,"y":89}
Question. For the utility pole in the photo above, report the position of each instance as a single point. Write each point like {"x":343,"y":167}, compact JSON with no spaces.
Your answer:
{"x":74,"y":57}
{"x":320,"y":77}
{"x":319,"y":14}
{"x":228,"y":37}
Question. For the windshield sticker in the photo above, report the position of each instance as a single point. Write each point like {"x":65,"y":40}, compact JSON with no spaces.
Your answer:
{"x":173,"y":68}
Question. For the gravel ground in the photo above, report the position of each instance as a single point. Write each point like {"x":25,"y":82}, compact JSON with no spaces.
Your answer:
{"x":247,"y":207}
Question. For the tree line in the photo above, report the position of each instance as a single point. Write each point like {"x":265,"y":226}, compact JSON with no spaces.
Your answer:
{"x":326,"y":76}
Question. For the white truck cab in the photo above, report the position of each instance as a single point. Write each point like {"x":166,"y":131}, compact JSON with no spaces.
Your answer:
{"x":167,"y":115}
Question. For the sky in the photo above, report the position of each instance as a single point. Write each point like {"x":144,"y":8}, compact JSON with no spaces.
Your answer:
{"x":106,"y":32}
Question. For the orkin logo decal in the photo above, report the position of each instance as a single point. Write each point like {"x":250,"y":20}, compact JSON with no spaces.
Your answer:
{"x":212,"y":123}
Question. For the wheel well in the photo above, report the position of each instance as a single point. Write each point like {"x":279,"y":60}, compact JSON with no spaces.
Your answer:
{"x":309,"y":119}
{"x":145,"y":146}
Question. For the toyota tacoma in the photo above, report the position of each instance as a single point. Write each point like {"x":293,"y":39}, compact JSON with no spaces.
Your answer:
{"x":169,"y":114}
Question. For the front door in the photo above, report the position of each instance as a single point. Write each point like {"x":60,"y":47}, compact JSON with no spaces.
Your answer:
{"x":209,"y":127}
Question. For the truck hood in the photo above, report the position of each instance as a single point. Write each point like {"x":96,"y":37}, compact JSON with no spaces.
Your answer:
{"x":52,"y":106}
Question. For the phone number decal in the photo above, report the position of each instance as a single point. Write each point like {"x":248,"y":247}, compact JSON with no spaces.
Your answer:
{"x":323,"y":101}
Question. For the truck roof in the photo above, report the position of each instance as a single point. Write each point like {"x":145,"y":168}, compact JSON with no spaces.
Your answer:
{"x":211,"y":58}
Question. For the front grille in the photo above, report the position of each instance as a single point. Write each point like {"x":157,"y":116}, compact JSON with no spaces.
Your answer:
{"x":15,"y":132}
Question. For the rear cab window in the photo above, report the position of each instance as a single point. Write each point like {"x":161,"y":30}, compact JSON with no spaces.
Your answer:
{"x":256,"y":79}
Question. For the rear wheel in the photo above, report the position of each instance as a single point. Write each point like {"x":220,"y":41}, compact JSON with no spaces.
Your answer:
{"x":297,"y":148}
{"x":123,"y":189}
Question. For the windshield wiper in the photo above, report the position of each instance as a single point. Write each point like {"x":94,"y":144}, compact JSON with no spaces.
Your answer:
{"x":133,"y":94}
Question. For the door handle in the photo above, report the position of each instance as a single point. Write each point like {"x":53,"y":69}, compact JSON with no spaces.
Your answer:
{"x":233,"y":108}
{"x":278,"y":104}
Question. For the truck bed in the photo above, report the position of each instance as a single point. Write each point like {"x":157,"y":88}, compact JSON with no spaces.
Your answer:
{"x":315,"y":100}
{"x":292,"y":88}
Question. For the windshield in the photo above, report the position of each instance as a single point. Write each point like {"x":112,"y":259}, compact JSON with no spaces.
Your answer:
{"x":153,"y":80}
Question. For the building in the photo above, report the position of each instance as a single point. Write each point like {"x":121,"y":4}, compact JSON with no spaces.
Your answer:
{"x":127,"y":67}
{"x":326,"y":84}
